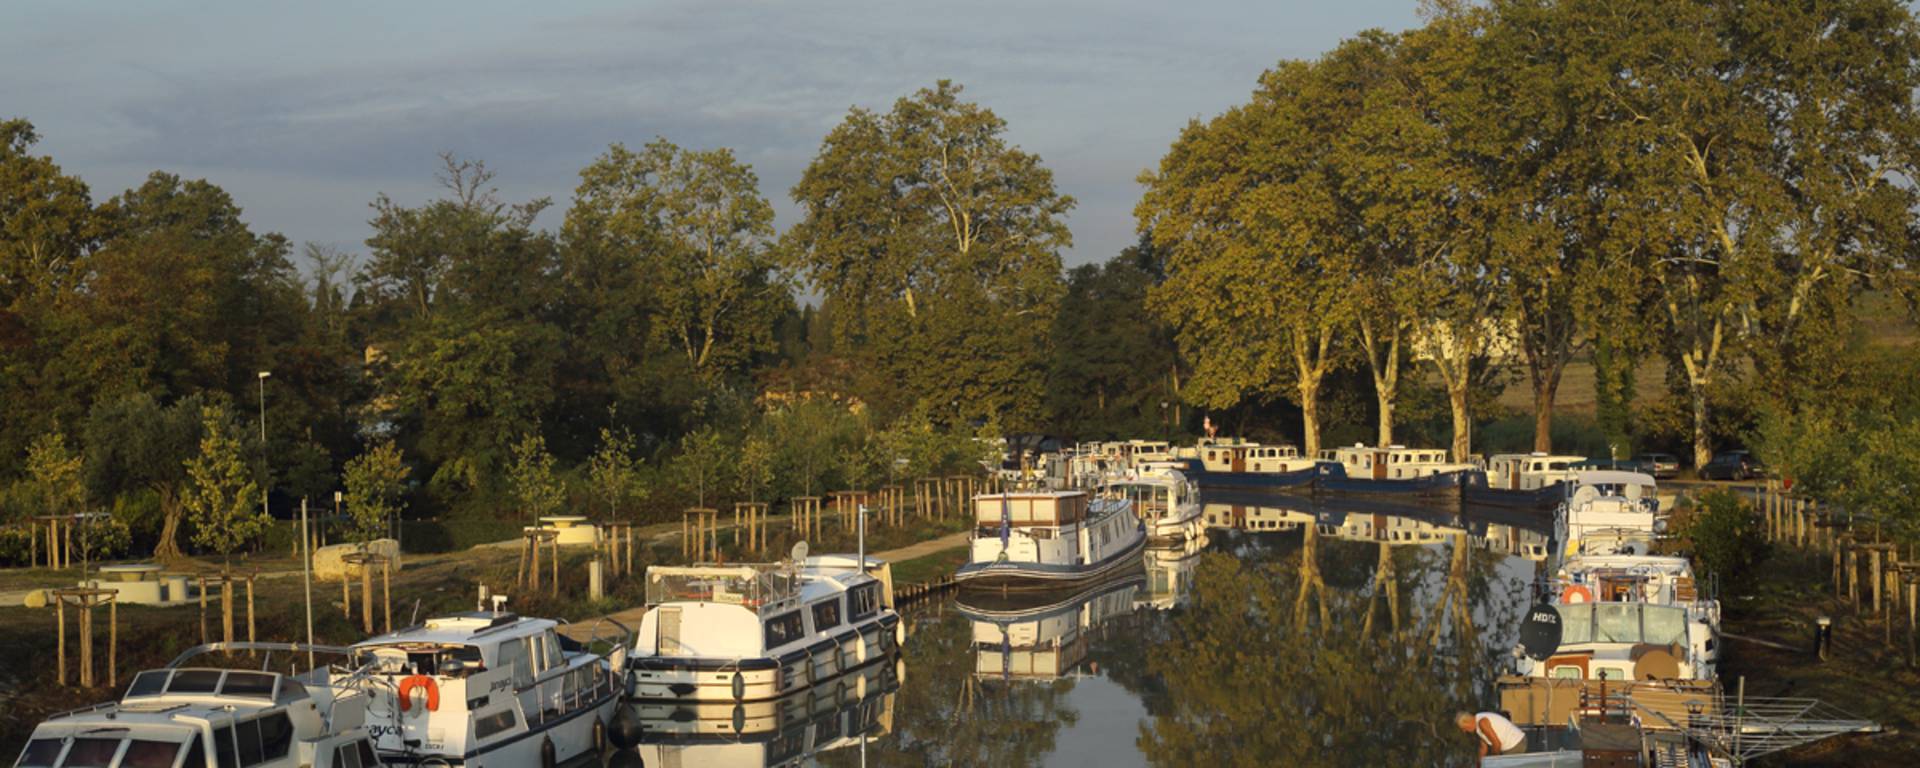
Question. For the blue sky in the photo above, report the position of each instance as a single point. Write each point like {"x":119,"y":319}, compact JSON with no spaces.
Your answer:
{"x":306,"y":111}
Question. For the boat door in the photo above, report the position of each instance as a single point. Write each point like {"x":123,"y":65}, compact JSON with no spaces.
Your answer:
{"x":1379,"y":465}
{"x":667,"y":631}
{"x":1239,"y":458}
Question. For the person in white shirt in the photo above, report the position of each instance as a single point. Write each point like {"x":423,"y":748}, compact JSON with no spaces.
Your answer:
{"x":1497,"y":735}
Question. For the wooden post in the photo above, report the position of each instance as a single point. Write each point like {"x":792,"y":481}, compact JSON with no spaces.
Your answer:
{"x":346,"y":597}
{"x":113,"y":641}
{"x":226,"y":608}
{"x":366,"y":594}
{"x":555,"y":564}
{"x":60,"y":635}
{"x":250,"y":623}
{"x":86,"y":645}
{"x":386,"y":592}
{"x":201,"y":581}
{"x":1853,"y":576}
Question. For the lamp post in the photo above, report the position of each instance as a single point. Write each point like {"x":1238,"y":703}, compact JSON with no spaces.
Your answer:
{"x":265,"y":480}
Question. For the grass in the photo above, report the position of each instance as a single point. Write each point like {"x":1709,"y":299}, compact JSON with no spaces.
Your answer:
{"x":1863,"y":676}
{"x":929,"y":568}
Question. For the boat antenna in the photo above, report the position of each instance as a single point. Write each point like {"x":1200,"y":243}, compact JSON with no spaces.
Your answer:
{"x":862,"y":536}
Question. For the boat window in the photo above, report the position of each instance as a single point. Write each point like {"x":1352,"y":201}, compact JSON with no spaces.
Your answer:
{"x":1665,"y":626}
{"x":246,"y":740}
{"x":1576,"y":624}
{"x":1616,"y":623}
{"x":863,"y":601}
{"x":91,"y":753}
{"x":826,"y":614}
{"x":223,"y":747}
{"x":1557,"y":466}
{"x":346,"y":756}
{"x":258,"y":684}
{"x":513,"y":656}
{"x":40,"y":753}
{"x":784,"y":629}
{"x":367,"y":760}
{"x":276,"y":735}
{"x":195,"y":681}
{"x":495,"y":723}
{"x":290,"y":690}
{"x":196,"y":754}
{"x":150,"y":754}
{"x":552,"y":645}
{"x":149,"y":683}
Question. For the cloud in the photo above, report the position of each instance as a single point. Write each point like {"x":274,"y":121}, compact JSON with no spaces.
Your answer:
{"x":306,"y":113}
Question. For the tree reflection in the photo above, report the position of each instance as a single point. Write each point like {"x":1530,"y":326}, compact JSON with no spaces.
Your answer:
{"x":1253,"y":678}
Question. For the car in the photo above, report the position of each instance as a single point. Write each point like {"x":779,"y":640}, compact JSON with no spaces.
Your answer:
{"x":1664,"y":465}
{"x":1731,"y":465}
{"x":1613,"y":465}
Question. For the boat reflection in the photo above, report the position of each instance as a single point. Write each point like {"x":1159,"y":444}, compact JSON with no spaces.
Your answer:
{"x":1497,"y":530}
{"x":1042,"y":637}
{"x":1170,"y":572}
{"x":792,"y":730}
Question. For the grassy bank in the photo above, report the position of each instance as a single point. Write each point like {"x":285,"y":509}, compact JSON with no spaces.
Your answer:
{"x":1863,"y":676}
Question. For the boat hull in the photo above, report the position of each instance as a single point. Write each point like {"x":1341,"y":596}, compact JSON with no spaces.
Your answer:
{"x":1333,"y":478}
{"x":1476,"y":492}
{"x":1014,"y":576}
{"x":693,"y":679}
{"x":1298,"y":479}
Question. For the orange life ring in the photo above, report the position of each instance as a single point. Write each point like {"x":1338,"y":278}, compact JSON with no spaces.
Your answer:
{"x":1576,"y":594}
{"x":415,"y":681}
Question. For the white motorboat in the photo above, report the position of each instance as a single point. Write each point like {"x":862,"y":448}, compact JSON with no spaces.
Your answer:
{"x":488,"y":688}
{"x":1613,"y":506}
{"x":205,"y":717}
{"x":1050,"y":539}
{"x":1161,"y":497}
{"x":755,"y":632}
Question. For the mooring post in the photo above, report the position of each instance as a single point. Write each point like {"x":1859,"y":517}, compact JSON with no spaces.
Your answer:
{"x":60,"y":635}
{"x":250,"y":623}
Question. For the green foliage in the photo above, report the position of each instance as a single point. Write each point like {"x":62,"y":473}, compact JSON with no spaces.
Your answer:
{"x":755,"y":466}
{"x":705,"y":461}
{"x":1723,"y":534}
{"x":937,"y":242}
{"x":375,"y":487}
{"x":531,"y":477}
{"x":53,"y":473}
{"x":1112,"y":364}
{"x":614,"y":472}
{"x":222,"y":498}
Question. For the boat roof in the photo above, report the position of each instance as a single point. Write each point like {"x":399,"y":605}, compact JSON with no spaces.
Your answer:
{"x":462,"y":629}
{"x":186,"y":698}
{"x":1613,"y":477}
{"x":1666,"y":563}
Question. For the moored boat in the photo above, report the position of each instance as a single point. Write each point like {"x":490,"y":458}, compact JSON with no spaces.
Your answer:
{"x":1164,"y":500}
{"x":1521,"y":480}
{"x":1390,"y":470}
{"x":1050,"y":539}
{"x":742,"y":633}
{"x":1238,"y":464}
{"x":488,"y":688}
{"x":784,"y":731}
{"x":203,"y":717}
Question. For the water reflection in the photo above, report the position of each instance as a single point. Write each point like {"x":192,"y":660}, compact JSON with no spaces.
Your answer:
{"x":840,"y":714}
{"x":1338,"y":633}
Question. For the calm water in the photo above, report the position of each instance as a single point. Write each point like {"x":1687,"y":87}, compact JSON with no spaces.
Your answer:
{"x":1336,"y":633}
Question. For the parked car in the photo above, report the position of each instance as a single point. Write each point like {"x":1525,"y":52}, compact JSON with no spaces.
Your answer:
{"x":1664,"y":465}
{"x":1731,"y":465}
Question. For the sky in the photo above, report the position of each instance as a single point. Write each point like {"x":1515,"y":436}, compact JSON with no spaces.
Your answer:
{"x":305,"y":112}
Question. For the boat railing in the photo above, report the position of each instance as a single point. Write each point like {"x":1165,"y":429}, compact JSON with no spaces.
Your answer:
{"x":85,"y":710}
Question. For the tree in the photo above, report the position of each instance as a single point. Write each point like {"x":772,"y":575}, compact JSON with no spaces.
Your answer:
{"x":135,"y":443}
{"x":702,"y":464}
{"x":54,"y":473}
{"x":1258,"y":282}
{"x":531,"y":477}
{"x":46,"y":222}
{"x":613,"y":470}
{"x":221,"y":494}
{"x":375,"y":485}
{"x":755,"y":466}
{"x":698,"y":229}
{"x":938,"y":243}
{"x":1112,"y":363}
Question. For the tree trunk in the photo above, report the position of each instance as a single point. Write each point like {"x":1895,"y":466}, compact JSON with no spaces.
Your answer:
{"x":168,"y":548}
{"x":1383,"y":361}
{"x":1310,"y":416}
{"x":1386,"y":417}
{"x":1702,"y":447}
{"x":1546,"y":385}
{"x":1462,"y":418}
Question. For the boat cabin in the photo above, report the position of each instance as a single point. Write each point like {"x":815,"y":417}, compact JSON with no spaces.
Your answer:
{"x":1393,"y":462}
{"x":1605,"y":509}
{"x":1627,"y":641}
{"x":1530,"y":471}
{"x":1250,"y":457}
{"x":208,"y":718}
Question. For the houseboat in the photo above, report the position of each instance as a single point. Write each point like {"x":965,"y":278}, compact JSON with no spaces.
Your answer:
{"x":1020,"y":638}
{"x":1525,"y":480}
{"x":205,"y":717}
{"x":1164,"y":500}
{"x":1394,"y":469}
{"x":1237,"y":464}
{"x":1050,"y":539}
{"x":793,"y":730}
{"x":1616,"y":507}
{"x":487,"y":688}
{"x":755,"y":632}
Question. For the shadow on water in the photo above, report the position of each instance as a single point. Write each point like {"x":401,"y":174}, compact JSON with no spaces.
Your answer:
{"x":1297,"y":632}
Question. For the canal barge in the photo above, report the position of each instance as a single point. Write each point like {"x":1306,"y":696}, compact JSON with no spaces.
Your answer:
{"x":1392,"y":470}
{"x":755,"y":632}
{"x":1246,"y":465}
{"x":203,"y":717}
{"x":1050,"y":540}
{"x":1521,"y":480}
{"x":487,"y":688}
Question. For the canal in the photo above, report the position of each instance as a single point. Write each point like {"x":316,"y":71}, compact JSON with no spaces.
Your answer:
{"x":1304,"y":632}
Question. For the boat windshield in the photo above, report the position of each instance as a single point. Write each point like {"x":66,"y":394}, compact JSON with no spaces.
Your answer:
{"x":748,"y":585}
{"x":1622,"y":623}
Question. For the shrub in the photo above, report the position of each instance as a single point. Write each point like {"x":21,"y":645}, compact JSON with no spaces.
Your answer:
{"x":1724,"y":536}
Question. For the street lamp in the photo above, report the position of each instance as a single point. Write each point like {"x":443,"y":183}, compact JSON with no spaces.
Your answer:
{"x":265,"y":481}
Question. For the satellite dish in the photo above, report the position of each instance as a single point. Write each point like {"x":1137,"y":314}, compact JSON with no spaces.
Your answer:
{"x":1540,"y":633}
{"x":799,"y":553}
